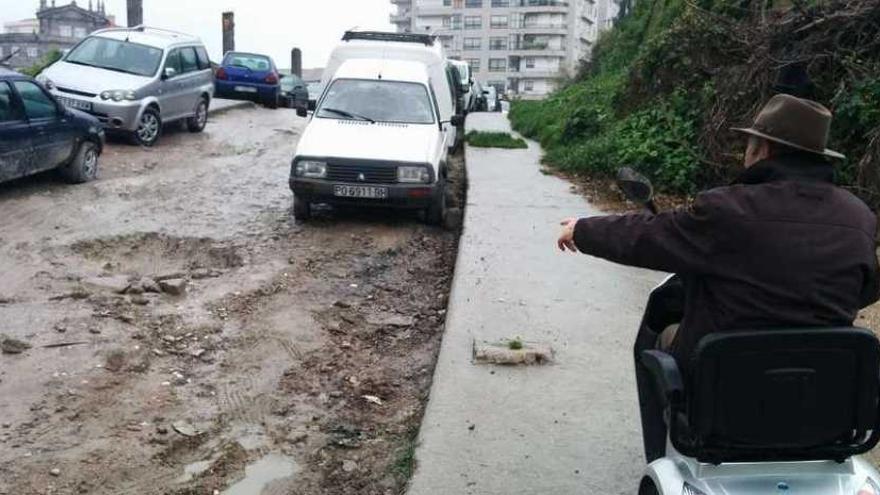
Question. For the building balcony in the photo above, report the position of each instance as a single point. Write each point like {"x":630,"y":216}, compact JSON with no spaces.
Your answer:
{"x":401,"y":18}
{"x":534,"y":74}
{"x":402,"y":2}
{"x":536,"y":6}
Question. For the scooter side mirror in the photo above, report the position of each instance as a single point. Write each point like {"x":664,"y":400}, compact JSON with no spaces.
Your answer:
{"x":636,"y":187}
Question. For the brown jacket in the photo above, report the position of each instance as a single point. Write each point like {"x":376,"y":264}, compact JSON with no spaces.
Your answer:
{"x":783,"y":247}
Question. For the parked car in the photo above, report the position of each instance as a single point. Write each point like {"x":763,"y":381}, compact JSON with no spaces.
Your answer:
{"x":37,"y":133}
{"x":422,"y":48}
{"x":493,"y":104}
{"x":249,"y":76}
{"x":479,"y":97}
{"x":294,"y":93}
{"x":466,"y":83}
{"x":135,"y":80}
{"x":377,"y":138}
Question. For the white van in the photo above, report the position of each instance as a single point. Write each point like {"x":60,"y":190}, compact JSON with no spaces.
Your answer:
{"x":423,"y":48}
{"x":468,"y":97}
{"x":379,"y":136}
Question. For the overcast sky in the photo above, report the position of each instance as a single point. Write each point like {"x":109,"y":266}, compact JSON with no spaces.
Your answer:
{"x":265,"y":26}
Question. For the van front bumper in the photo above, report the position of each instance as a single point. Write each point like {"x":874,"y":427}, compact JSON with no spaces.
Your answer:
{"x":400,"y":196}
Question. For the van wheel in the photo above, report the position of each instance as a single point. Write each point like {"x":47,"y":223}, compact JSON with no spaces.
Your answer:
{"x":302,"y":209}
{"x":197,"y":122}
{"x":84,"y":166}
{"x":647,"y":487}
{"x":436,"y":213}
{"x":149,"y":128}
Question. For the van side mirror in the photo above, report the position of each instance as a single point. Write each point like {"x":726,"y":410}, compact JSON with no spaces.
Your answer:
{"x":301,"y":112}
{"x":636,"y":187}
{"x":457,"y":120}
{"x":169,"y":73}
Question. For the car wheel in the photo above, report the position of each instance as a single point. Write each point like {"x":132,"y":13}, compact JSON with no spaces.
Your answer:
{"x":271,"y":103}
{"x":84,"y":166}
{"x":302,"y":209}
{"x":197,"y":122}
{"x":647,"y":487}
{"x":149,"y":128}
{"x":436,"y":213}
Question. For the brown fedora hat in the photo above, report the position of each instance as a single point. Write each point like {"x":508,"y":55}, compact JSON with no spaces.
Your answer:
{"x":795,"y":122}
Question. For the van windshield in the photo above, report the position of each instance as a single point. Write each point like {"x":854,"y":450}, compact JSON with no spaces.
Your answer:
{"x":377,"y":101}
{"x":116,"y":55}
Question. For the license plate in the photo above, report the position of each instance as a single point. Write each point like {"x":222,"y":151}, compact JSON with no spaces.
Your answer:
{"x":245,"y":89}
{"x":367,"y":192}
{"x":74,"y":103}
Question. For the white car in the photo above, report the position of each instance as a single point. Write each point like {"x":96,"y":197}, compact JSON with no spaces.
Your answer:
{"x":378,"y":137}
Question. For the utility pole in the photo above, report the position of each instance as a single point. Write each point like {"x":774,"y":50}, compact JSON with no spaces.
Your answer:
{"x":135,"y":13}
{"x":296,"y":62}
{"x":228,"y":32}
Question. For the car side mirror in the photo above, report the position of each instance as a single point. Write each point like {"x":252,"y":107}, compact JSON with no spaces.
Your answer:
{"x":636,"y":187}
{"x":297,"y":87}
{"x":457,"y":120}
{"x":169,"y":73}
{"x":312,"y":105}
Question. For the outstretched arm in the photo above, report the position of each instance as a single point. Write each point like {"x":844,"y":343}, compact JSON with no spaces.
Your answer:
{"x":680,"y":241}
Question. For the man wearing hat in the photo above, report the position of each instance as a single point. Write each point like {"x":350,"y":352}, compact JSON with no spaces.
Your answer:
{"x":781,"y":247}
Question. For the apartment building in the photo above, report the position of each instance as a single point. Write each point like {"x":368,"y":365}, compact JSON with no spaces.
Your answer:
{"x":523,"y":47}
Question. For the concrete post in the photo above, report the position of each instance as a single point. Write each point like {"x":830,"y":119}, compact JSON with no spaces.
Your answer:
{"x":296,"y":63}
{"x":135,"y":13}
{"x":228,"y":32}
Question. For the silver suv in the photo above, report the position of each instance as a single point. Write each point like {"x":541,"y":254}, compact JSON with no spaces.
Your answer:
{"x":135,"y":80}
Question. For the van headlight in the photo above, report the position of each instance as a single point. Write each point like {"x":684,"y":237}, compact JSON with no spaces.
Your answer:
{"x":311,"y":169}
{"x":118,"y":95}
{"x":417,"y":175}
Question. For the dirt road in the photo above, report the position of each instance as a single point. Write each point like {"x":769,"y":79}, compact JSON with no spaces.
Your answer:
{"x":188,"y":337}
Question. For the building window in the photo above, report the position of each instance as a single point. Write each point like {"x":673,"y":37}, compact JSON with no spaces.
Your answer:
{"x":530,"y":62}
{"x":474,"y":63}
{"x":33,"y":52}
{"x":501,"y":3}
{"x":497,"y":64}
{"x":528,"y":85}
{"x":498,"y":43}
{"x":446,"y":41}
{"x":13,"y":50}
{"x":447,"y":3}
{"x":473,"y":22}
{"x":499,"y":22}
{"x":499,"y":86}
{"x":79,"y":32}
{"x":472,"y":43}
{"x":65,"y":31}
{"x":453,"y":21}
{"x":473,"y":4}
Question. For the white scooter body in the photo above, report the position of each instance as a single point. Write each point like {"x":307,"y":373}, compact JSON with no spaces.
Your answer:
{"x":671,"y":474}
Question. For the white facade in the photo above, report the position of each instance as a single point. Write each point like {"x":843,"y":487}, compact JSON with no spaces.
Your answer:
{"x":523,"y":47}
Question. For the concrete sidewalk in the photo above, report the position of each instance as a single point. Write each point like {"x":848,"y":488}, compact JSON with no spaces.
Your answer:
{"x":567,"y":428}
{"x":220,"y":105}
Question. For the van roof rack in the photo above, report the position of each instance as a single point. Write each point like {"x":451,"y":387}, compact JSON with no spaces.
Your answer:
{"x":142,"y":28}
{"x":424,"y":39}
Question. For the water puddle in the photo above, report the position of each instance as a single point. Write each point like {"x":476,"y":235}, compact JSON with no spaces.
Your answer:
{"x":190,"y":471}
{"x":259,"y":474}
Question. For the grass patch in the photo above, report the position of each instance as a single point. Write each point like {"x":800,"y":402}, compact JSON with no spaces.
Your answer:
{"x":405,"y":459}
{"x":495,"y":140}
{"x":515,"y":344}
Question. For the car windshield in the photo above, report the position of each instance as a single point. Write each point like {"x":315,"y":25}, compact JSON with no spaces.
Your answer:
{"x":289,"y":82}
{"x":116,"y":55}
{"x":379,"y":101}
{"x":257,"y":63}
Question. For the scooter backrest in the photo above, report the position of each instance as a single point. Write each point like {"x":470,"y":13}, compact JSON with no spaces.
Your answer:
{"x":785,"y":394}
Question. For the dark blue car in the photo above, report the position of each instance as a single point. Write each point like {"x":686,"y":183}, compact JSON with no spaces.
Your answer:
{"x":37,"y":133}
{"x":248,"y":76}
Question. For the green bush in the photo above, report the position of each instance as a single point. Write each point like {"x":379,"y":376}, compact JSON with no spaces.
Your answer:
{"x":48,"y":59}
